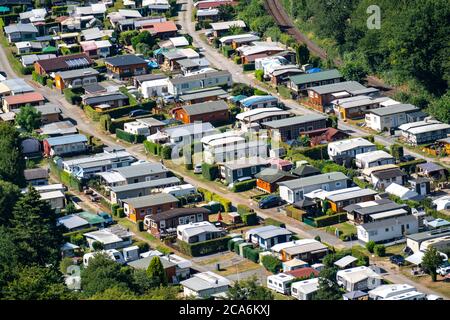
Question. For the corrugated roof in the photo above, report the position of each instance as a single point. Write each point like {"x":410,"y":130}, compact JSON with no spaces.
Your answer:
{"x":348,"y":86}
{"x":205,"y":107}
{"x":393,"y":109}
{"x":75,"y":138}
{"x":314,"y":180}
{"x":292,"y":121}
{"x":125,"y":60}
{"x":24,"y":98}
{"x":317,"y":76}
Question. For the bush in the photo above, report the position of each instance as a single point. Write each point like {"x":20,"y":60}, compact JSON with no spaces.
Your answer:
{"x":227,"y":51}
{"x":259,"y":75}
{"x":151,"y":147}
{"x":203,"y":248}
{"x":250,"y":218}
{"x":210,"y":172}
{"x":114,"y":208}
{"x":143,"y":246}
{"x":141,"y":225}
{"x":38,"y":78}
{"x":271,"y":264}
{"x":317,"y":238}
{"x":121,"y":213}
{"x":251,"y":254}
{"x":258,"y":92}
{"x":370,"y":246}
{"x":248,"y":66}
{"x":242,"y":209}
{"x":244,"y":185}
{"x":64,"y":264}
{"x":131,"y":138}
{"x":65,"y":177}
{"x":226,"y":204}
{"x":50,"y":83}
{"x":380,"y":250}
{"x":105,"y":122}
{"x":166,"y":152}
{"x":97,"y":246}
{"x":230,"y":245}
{"x":325,"y":221}
{"x":236,"y":246}
{"x":77,"y":239}
{"x":71,"y":96}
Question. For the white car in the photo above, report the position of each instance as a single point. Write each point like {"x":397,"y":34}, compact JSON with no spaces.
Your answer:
{"x":434,"y":297}
{"x":443,"y":270}
{"x":198,"y":168}
{"x":230,"y":186}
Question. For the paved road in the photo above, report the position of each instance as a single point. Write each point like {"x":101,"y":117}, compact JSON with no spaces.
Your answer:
{"x":219,"y":61}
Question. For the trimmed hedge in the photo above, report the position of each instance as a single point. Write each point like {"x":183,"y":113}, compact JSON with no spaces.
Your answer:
{"x":121,"y":213}
{"x":251,"y":254}
{"x":248,"y":66}
{"x":244,"y":185}
{"x":132,"y":138}
{"x":241,"y":209}
{"x":325,"y":221}
{"x":114,"y":209}
{"x":166,"y":152}
{"x":211,"y":196}
{"x":271,"y":264}
{"x":66,"y":178}
{"x":71,"y":96}
{"x":83,"y":231}
{"x":203,"y":248}
{"x":236,"y":246}
{"x":210,"y":172}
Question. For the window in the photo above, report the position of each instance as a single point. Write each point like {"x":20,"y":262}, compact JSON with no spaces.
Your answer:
{"x":239,"y":173}
{"x":387,"y":229}
{"x":199,"y":217}
{"x":254,"y":169}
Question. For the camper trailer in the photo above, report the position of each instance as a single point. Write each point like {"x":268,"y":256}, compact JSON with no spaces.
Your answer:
{"x":280,"y":283}
{"x":181,"y":190}
{"x":131,"y":253}
{"x":113,"y":254}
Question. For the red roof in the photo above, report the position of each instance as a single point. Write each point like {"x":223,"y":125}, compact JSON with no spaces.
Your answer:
{"x":24,"y":98}
{"x":161,"y":27}
{"x":214,"y":4}
{"x":303,"y":272}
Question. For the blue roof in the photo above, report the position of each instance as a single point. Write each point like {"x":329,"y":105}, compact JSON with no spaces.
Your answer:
{"x":257,"y":99}
{"x":314,"y":70}
{"x":73,"y":138}
{"x":238,"y":98}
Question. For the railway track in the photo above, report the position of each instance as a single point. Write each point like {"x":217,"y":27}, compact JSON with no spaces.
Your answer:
{"x":284,"y":21}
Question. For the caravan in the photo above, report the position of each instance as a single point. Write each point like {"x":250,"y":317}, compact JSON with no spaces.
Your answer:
{"x":280,"y":283}
{"x":181,"y":190}
{"x":113,"y":254}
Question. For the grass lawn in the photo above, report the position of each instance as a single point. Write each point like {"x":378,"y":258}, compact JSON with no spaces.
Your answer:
{"x":345,"y":228}
{"x":439,"y":286}
{"x":244,"y":265}
{"x":279,"y":296}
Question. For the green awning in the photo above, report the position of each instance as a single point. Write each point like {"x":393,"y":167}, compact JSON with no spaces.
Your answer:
{"x":49,"y":49}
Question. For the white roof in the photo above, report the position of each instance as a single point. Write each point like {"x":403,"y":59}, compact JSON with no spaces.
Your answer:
{"x":400,"y":191}
{"x":189,"y":53}
{"x":48,"y":187}
{"x":243,"y":115}
{"x":322,"y":194}
{"x":429,"y":128}
{"x":350,"y":144}
{"x":198,"y":227}
{"x":345,"y":261}
{"x":306,"y":286}
{"x":357,"y":274}
{"x":418,"y":124}
{"x":374,"y":156}
{"x":112,"y":177}
{"x":214,"y":137}
{"x":388,"y":214}
{"x":155,"y":83}
{"x":282,"y":277}
{"x":204,"y":281}
{"x":280,"y":246}
{"x":237,"y":36}
{"x":416,"y":258}
{"x":129,"y":13}
{"x":227,"y":25}
{"x":104,"y":236}
{"x":179,"y":261}
{"x":258,"y":48}
{"x":179,"y":41}
{"x":52,"y":195}
{"x":387,"y":290}
{"x":207,"y":12}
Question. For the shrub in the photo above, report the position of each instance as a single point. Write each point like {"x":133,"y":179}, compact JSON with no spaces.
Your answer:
{"x":250,"y":218}
{"x":143,"y":246}
{"x":64,"y":264}
{"x":236,"y":246}
{"x":259,"y":75}
{"x":66,"y":178}
{"x":141,"y":225}
{"x":330,"y":220}
{"x":380,"y":250}
{"x":71,"y":96}
{"x":131,"y":138}
{"x":114,"y":208}
{"x":166,"y":152}
{"x":226,"y":204}
{"x":251,"y":254}
{"x":244,"y":185}
{"x":230,"y":245}
{"x":227,"y":51}
{"x":77,"y":239}
{"x":248,"y":66}
{"x":105,"y":122}
{"x":271,"y":263}
{"x":370,"y":246}
{"x":260,"y":93}
{"x":210,"y":172}
{"x":242,"y":209}
{"x":121,"y":213}
{"x":97,"y":246}
{"x":50,"y":83}
{"x":151,"y":147}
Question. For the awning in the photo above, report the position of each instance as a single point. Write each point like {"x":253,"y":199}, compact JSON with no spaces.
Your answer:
{"x":416,"y":258}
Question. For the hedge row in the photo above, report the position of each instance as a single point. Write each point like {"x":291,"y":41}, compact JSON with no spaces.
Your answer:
{"x":325,"y":221}
{"x":251,"y":254}
{"x":65,"y":177}
{"x":204,"y":248}
{"x":164,"y":152}
{"x":131,"y":138}
{"x":244,"y":185}
{"x":125,"y":110}
{"x":248,"y":66}
{"x":211,"y":196}
{"x":210,"y":172}
{"x":71,"y":96}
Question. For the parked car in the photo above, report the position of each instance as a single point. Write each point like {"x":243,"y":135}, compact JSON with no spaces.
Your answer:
{"x":168,"y":99}
{"x":407,"y":158}
{"x":397,"y":259}
{"x":198,"y":168}
{"x":444,"y":269}
{"x":231,"y":185}
{"x":270,"y":202}
{"x":138,"y":112}
{"x":108,"y":218}
{"x":434,"y":297}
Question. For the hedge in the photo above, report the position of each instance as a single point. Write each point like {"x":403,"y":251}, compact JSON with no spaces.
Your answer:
{"x":325,"y":221}
{"x":244,"y":185}
{"x":236,"y":246}
{"x":230,"y":244}
{"x":50,"y":83}
{"x":38,"y":78}
{"x":132,"y":138}
{"x":82,"y":231}
{"x":241,"y":209}
{"x":66,"y":178}
{"x":203,"y":248}
{"x":114,"y":209}
{"x":125,"y":110}
{"x":271,"y":264}
{"x":91,"y":113}
{"x":71,"y":96}
{"x":316,"y":153}
{"x":211,"y":196}
{"x":227,"y":51}
{"x":248,"y":66}
{"x":166,"y":152}
{"x":410,"y":166}
{"x":210,"y":172}
{"x":151,"y":147}
{"x":251,"y":254}
{"x":121,"y":213}
{"x":250,"y":218}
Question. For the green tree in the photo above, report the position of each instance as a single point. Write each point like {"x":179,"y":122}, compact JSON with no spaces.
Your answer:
{"x":155,"y":271}
{"x":271,"y":264}
{"x":242,"y":89}
{"x":70,"y":208}
{"x":370,"y":246}
{"x":432,"y":259}
{"x":328,"y":288}
{"x":380,"y":250}
{"x":353,"y":68}
{"x":126,"y":36}
{"x":12,"y":162}
{"x":302,"y":54}
{"x":64,"y":264}
{"x":226,"y":12}
{"x":28,"y":118}
{"x":34,"y":229}
{"x":97,"y":246}
{"x":259,"y":75}
{"x":9,"y":194}
{"x":36,"y":283}
{"x":9,"y":257}
{"x":103,"y":273}
{"x":115,"y":293}
{"x":143,"y":37}
{"x":144,"y":49}
{"x":440,"y":108}
{"x":249,"y":290}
